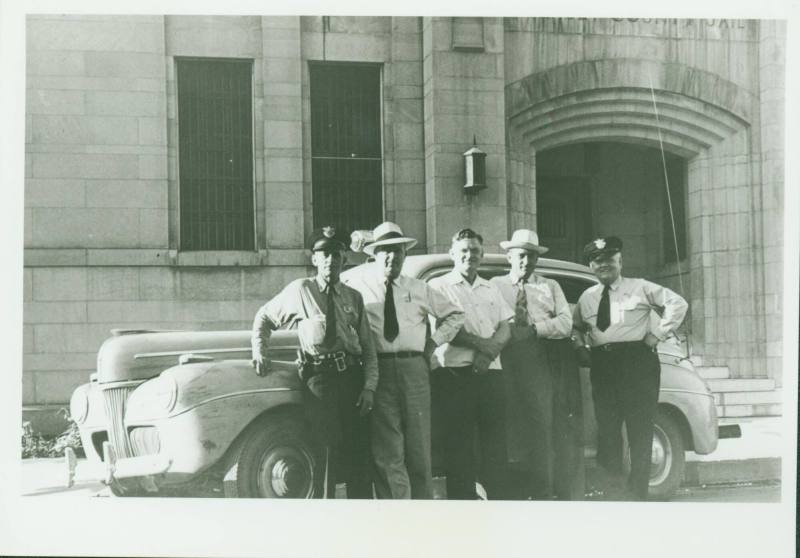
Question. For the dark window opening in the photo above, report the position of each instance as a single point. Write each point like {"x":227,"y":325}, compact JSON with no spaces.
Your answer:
{"x":215,"y":154}
{"x":346,"y":167}
{"x":675,"y":173}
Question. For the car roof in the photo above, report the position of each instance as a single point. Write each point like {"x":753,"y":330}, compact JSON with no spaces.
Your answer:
{"x":423,"y":264}
{"x":417,"y":265}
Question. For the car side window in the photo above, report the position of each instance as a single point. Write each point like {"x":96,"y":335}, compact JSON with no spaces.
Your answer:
{"x":573,"y":287}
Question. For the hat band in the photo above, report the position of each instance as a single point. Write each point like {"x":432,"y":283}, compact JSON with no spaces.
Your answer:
{"x":387,"y":236}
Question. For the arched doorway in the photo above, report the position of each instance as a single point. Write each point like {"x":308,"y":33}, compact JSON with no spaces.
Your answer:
{"x":590,"y":189}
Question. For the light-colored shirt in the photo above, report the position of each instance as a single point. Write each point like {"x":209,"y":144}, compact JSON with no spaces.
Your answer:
{"x":484,"y":310}
{"x":414,"y":303}
{"x":548,"y":309}
{"x":304,"y":301}
{"x":631,"y":302}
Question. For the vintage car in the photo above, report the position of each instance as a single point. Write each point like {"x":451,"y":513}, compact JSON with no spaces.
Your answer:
{"x":168,"y":408}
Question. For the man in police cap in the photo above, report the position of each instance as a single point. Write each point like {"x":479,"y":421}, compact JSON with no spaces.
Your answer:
{"x":340,"y":364}
{"x":399,"y":307}
{"x":612,"y":320}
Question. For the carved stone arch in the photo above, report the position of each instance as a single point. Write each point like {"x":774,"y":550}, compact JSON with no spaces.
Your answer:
{"x":701,"y":117}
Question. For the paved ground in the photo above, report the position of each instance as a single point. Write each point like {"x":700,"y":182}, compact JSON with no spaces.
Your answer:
{"x":43,"y":478}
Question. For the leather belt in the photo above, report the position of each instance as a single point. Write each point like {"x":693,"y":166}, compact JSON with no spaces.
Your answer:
{"x":401,"y":354}
{"x":609,"y":347}
{"x":332,"y":362}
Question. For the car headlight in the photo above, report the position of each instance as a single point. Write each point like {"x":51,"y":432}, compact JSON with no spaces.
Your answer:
{"x":154,"y":397}
{"x":79,"y":405}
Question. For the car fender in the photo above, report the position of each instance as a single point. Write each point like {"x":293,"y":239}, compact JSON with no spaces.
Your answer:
{"x":214,"y":402}
{"x":685,"y":392}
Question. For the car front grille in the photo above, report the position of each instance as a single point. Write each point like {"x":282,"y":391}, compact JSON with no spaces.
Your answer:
{"x":115,"y":399}
{"x":144,"y":440}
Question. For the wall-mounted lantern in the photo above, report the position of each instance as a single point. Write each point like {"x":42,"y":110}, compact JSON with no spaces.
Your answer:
{"x":474,"y":169}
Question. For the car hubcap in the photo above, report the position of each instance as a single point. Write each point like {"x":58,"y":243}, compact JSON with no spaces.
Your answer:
{"x":660,"y":457}
{"x":285,"y":472}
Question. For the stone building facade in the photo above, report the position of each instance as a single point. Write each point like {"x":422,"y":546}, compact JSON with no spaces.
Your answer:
{"x":571,"y":112}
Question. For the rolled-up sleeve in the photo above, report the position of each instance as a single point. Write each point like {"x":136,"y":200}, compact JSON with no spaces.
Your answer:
{"x":560,"y":325}
{"x":273,"y":315}
{"x":671,"y":306}
{"x":369,"y":354}
{"x":448,"y":313}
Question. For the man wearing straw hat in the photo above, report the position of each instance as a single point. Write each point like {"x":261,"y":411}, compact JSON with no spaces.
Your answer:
{"x":543,"y":398}
{"x":399,"y":308}
{"x":340,"y":366}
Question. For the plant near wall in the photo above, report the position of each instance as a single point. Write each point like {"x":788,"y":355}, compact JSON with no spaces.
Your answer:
{"x":37,"y":445}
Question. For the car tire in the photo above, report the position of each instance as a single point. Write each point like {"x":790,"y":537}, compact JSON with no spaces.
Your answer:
{"x":275,"y":460}
{"x":668,"y":457}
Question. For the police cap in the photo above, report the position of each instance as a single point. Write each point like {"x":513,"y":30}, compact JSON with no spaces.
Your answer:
{"x":602,"y":247}
{"x":326,"y":238}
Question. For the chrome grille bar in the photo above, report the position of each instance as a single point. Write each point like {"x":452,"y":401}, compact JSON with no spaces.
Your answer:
{"x":115,"y":399}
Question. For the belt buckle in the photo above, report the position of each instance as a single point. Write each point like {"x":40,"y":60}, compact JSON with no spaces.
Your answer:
{"x":341,"y":364}
{"x":607,"y":347}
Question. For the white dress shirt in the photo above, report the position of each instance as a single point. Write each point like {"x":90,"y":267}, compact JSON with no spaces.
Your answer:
{"x":631,"y":302}
{"x":414,"y":303}
{"x":484,"y":309}
{"x":548,"y":309}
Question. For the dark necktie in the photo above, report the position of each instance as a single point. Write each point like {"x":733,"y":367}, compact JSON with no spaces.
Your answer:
{"x":604,"y":310}
{"x":330,"y":320}
{"x":390,"y":326}
{"x":521,"y":307}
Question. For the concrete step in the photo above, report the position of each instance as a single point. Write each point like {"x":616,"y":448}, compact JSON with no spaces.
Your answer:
{"x":713,"y":372}
{"x":755,"y":410}
{"x":748,"y":397}
{"x":741,"y":384}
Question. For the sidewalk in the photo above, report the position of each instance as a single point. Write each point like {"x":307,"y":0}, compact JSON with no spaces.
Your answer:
{"x":754,"y":457}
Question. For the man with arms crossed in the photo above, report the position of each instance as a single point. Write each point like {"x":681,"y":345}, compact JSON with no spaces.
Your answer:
{"x":398,"y":307}
{"x":612,"y":320}
{"x":340,"y":368}
{"x":469,"y":377}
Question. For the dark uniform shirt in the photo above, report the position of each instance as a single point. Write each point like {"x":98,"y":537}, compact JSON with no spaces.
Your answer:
{"x":300,"y":305}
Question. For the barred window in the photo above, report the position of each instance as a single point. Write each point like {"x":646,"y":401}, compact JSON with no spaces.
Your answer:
{"x":346,"y":166}
{"x":215,"y":154}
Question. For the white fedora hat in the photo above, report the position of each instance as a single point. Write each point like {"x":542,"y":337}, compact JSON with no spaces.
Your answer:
{"x":388,"y":233}
{"x":525,"y":239}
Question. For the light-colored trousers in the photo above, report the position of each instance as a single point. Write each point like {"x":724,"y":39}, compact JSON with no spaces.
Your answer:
{"x":401,"y":429}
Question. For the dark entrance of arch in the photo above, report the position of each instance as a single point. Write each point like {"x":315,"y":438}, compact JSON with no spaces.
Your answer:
{"x":591,"y":189}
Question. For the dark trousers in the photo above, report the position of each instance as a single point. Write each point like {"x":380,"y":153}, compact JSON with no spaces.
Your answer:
{"x":625,"y":384}
{"x":341,"y":436}
{"x":472,"y":403}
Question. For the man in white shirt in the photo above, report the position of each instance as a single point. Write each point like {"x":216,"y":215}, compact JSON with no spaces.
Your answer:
{"x":612,"y":320}
{"x":399,"y":307}
{"x":544,"y":417}
{"x":469,"y":376}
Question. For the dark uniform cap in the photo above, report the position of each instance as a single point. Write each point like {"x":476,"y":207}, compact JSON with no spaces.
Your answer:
{"x":326,"y":238}
{"x":602,"y":246}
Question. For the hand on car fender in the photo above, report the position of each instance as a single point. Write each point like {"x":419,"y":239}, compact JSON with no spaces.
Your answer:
{"x":260,"y":365}
{"x":365,"y":401}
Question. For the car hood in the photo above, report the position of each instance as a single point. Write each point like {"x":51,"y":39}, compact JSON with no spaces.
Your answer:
{"x":144,"y":354}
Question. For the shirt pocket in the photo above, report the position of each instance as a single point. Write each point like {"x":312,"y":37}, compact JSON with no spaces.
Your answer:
{"x":350,"y":315}
{"x":408,"y":312}
{"x":542,"y":301}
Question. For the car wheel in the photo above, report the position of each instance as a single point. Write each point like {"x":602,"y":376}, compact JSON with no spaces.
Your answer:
{"x":276,"y":460}
{"x":667,"y":459}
